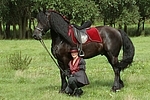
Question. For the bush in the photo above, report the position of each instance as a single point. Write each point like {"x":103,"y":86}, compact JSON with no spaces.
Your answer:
{"x":18,"y":62}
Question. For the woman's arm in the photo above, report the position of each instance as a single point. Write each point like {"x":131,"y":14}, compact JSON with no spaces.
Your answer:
{"x":82,"y":64}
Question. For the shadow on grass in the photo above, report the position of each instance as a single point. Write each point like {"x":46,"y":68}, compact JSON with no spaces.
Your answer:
{"x":101,"y":83}
{"x":94,"y":83}
{"x":49,"y":87}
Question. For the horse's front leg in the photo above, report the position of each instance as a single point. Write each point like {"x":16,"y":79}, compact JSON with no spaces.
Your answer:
{"x":118,"y":83}
{"x":63,"y":82}
{"x":63,"y":77}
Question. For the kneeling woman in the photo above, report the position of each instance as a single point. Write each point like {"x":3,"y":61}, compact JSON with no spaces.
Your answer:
{"x":77,"y":77}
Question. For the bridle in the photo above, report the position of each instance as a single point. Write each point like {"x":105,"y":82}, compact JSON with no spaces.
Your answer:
{"x":39,"y":29}
{"x":47,"y":21}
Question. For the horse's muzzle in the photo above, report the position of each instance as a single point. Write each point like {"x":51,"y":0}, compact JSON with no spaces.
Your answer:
{"x":36,"y":37}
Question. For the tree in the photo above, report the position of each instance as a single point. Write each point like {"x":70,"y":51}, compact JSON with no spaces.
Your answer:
{"x":123,"y":12}
{"x":75,"y":10}
{"x":129,"y":15}
{"x":15,"y":12}
{"x":144,"y":10}
{"x":110,"y":10}
{"x":23,"y":12}
{"x":4,"y":12}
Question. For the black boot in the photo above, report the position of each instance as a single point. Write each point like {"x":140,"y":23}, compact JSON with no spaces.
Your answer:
{"x":78,"y":92}
{"x":68,"y":90}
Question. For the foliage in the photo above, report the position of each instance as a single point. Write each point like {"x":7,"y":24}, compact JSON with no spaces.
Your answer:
{"x":18,"y":62}
{"x":77,"y":11}
{"x":144,"y":11}
{"x":111,"y":12}
{"x":144,"y":8}
{"x":118,"y":11}
{"x":12,"y":10}
{"x":132,"y":31}
{"x":129,"y":16}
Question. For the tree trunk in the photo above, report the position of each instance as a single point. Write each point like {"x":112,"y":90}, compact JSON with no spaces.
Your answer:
{"x":20,"y":28}
{"x":1,"y":29}
{"x":143,"y":28}
{"x":104,"y":21}
{"x":30,"y":29}
{"x":125,"y":27}
{"x":111,"y":23}
{"x":4,"y":28}
{"x":7,"y":31}
{"x":14,"y":31}
{"x":24,"y":27}
{"x":138,"y":28}
{"x":114,"y":25}
{"x":120,"y":26}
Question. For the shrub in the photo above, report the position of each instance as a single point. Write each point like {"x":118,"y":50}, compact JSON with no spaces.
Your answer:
{"x":18,"y":62}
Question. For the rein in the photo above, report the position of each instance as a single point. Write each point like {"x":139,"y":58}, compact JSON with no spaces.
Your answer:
{"x":43,"y":44}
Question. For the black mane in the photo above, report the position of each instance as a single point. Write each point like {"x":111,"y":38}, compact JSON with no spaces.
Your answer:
{"x":64,"y":17}
{"x":60,"y":25}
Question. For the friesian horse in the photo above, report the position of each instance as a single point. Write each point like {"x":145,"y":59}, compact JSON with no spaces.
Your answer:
{"x":112,"y":42}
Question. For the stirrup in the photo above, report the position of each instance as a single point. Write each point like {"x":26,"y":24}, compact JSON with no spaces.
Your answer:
{"x":81,"y":53}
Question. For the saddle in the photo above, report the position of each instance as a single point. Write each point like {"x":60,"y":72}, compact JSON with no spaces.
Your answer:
{"x":81,"y":35}
{"x":83,"y":26}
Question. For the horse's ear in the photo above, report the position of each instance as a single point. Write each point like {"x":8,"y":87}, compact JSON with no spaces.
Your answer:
{"x":44,"y":11}
{"x":47,"y":14}
{"x":39,"y":10}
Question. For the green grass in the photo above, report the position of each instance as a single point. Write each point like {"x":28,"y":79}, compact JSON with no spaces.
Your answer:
{"x":41,"y":81}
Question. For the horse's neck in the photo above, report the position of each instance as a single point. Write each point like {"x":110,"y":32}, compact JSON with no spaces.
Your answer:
{"x":60,"y":26}
{"x":55,"y":37}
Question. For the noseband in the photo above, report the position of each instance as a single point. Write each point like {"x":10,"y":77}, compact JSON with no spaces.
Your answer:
{"x":39,"y":29}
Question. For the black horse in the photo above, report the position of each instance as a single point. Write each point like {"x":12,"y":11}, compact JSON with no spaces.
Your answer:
{"x":112,"y":42}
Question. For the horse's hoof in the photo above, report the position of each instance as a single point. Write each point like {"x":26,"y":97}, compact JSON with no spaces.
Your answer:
{"x":115,"y":89}
{"x":118,"y":88}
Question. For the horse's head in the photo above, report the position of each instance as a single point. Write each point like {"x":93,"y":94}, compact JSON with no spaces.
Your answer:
{"x":42,"y":26}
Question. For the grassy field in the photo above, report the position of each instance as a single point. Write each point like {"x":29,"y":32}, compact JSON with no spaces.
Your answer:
{"x":41,"y":80}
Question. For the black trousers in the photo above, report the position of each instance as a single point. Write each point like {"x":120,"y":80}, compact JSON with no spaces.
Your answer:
{"x":72,"y":85}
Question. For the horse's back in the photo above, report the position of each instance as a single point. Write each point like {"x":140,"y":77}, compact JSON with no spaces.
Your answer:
{"x":112,"y":39}
{"x":106,"y":31}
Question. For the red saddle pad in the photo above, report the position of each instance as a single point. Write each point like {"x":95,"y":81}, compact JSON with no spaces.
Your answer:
{"x":93,"y":35}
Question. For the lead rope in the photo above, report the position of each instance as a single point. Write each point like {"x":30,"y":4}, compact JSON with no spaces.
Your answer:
{"x":43,"y":44}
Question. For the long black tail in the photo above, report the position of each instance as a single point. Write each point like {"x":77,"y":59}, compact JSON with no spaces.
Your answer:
{"x":128,"y":51}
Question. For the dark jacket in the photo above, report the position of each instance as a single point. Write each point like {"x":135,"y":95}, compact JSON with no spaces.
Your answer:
{"x":80,"y":74}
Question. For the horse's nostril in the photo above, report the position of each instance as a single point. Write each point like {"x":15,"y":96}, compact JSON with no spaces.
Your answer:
{"x":34,"y":36}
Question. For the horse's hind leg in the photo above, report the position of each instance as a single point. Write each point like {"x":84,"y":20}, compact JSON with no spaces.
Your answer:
{"x":118,"y":83}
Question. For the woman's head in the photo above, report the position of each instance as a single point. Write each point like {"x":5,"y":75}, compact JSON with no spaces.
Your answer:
{"x":74,"y":52}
